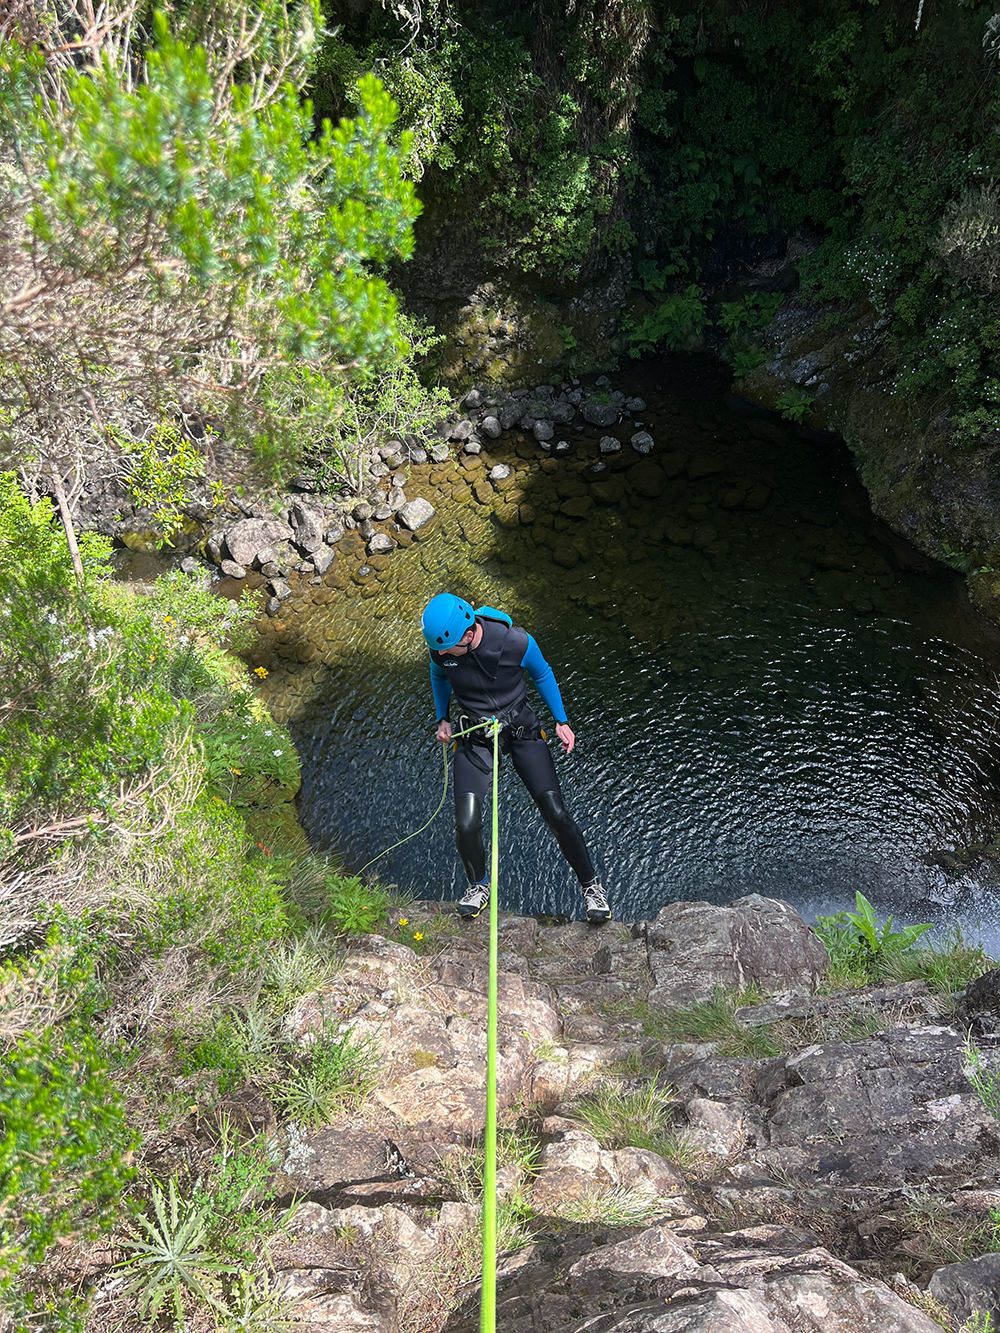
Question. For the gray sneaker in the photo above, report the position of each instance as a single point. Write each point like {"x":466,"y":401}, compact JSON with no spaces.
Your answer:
{"x":476,"y":897}
{"x":596,"y":902}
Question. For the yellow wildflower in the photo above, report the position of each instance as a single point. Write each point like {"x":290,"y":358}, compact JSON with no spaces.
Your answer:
{"x":169,"y":620}
{"x":237,"y":771}
{"x":404,"y":920}
{"x":260,"y":671}
{"x":418,"y":934}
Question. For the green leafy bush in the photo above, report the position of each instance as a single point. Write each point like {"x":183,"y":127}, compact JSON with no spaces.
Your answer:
{"x":794,"y":404}
{"x":860,"y":950}
{"x":64,"y":1147}
{"x":336,"y":1072}
{"x":676,"y":324}
{"x":353,"y":907}
{"x":204,"y":230}
{"x":157,"y":469}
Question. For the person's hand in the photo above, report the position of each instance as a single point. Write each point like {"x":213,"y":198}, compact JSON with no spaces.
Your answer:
{"x":565,"y":733}
{"x":443,"y":732}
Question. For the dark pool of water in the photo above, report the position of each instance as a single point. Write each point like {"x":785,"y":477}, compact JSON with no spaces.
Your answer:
{"x":771,"y":692}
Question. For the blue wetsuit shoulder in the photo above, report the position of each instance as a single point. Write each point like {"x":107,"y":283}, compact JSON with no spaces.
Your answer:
{"x":544,"y":678}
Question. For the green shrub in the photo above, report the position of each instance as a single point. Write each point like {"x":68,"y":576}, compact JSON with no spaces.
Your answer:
{"x":157,"y":469}
{"x":675,"y":324}
{"x":64,"y":1147}
{"x":793,"y":404}
{"x":860,"y":950}
{"x":353,"y":907}
{"x":336,"y":1072}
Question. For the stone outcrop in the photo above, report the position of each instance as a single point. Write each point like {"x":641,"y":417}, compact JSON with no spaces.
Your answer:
{"x":695,"y":947}
{"x":943,"y":498}
{"x":760,"y":1199}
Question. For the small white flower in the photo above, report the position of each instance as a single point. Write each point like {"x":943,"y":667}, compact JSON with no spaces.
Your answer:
{"x":277,"y":752}
{"x":268,"y":733}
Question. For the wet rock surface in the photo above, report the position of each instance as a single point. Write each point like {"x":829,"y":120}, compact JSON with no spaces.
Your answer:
{"x":765,"y":1206}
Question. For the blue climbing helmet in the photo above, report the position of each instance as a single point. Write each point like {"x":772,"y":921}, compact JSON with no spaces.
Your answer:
{"x":445,"y":619}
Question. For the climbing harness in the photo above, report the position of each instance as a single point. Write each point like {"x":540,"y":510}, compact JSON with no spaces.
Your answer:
{"x":488,"y":1301}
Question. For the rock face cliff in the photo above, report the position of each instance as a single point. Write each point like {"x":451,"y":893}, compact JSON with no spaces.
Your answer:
{"x":943,"y":498}
{"x":771,"y":1171}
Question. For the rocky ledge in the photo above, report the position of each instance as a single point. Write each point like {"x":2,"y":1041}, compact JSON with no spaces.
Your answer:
{"x":789,"y":1165}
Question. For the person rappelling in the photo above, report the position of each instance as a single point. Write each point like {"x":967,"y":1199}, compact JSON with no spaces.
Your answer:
{"x":480,"y":657}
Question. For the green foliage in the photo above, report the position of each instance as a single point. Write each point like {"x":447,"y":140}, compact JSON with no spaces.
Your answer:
{"x":860,"y":950}
{"x":295,"y":968}
{"x":745,"y":359}
{"x":750,"y":313}
{"x":207,"y":228}
{"x":623,"y":1116}
{"x":612,"y":1206}
{"x":984,"y":1080}
{"x":715,"y":1020}
{"x":794,"y":404}
{"x":196,"y":1247}
{"x":169,"y":1260}
{"x":64,"y":1147}
{"x":157,"y":470}
{"x":337,"y":420}
{"x":336,"y":1073}
{"x":353,"y":907}
{"x":237,"y":1049}
{"x":91,"y":716}
{"x":247,"y":755}
{"x":676,"y":324}
{"x":947,"y":966}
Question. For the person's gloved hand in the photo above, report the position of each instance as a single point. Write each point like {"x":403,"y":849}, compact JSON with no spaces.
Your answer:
{"x":565,"y":733}
{"x":443,"y":732}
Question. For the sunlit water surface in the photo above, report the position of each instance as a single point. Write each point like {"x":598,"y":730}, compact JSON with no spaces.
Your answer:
{"x":771,"y":693}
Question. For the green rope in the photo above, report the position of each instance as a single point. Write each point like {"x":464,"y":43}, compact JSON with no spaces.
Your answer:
{"x":488,"y":1307}
{"x":440,"y":805}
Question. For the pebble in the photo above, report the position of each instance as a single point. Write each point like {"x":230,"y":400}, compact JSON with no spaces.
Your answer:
{"x":500,"y":472}
{"x":440,"y":453}
{"x":642,"y":442}
{"x":609,"y":445}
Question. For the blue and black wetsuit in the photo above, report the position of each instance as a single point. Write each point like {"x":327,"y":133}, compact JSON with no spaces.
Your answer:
{"x":488,"y":681}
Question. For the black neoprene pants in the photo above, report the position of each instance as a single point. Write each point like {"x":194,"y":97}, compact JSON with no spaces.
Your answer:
{"x":469,"y":834}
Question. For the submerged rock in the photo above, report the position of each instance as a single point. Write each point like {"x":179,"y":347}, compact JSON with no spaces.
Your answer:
{"x":415,"y":513}
{"x":600,"y":414}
